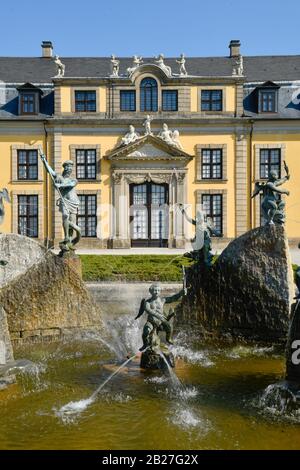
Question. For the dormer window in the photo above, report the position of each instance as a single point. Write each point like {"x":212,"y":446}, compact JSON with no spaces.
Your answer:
{"x":29,"y":99}
{"x":28,"y":103}
{"x":268,"y":98}
{"x":267,"y":101}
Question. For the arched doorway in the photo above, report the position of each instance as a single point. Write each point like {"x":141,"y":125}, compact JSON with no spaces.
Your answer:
{"x":149,"y":214}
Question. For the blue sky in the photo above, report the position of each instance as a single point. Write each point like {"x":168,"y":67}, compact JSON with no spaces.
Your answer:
{"x":195,"y":27}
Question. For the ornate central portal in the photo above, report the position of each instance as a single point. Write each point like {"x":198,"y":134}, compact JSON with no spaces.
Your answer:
{"x":149,"y":215}
{"x":148,"y":181}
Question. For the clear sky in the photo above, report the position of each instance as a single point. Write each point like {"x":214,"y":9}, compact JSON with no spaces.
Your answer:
{"x":148,"y":27}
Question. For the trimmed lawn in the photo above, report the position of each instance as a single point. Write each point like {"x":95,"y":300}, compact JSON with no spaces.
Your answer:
{"x":164,"y":268}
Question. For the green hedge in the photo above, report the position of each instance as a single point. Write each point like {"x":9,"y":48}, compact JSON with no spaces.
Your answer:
{"x":133,"y":267}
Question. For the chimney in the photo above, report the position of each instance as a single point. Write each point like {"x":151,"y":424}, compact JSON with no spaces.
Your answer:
{"x":234,"y":47}
{"x":47,"y":49}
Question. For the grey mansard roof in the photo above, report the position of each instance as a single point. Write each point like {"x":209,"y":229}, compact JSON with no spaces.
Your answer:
{"x":42,"y":70}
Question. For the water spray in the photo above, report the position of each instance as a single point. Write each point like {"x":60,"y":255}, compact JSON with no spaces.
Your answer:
{"x":80,"y":405}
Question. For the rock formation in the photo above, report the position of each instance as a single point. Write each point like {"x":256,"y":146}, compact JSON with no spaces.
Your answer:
{"x":42,"y":294}
{"x":248,"y":291}
{"x":18,"y":254}
{"x":6,"y":351}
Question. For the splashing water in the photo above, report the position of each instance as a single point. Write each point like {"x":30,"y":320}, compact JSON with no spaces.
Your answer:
{"x":187,"y":393}
{"x":125,"y":334}
{"x":185,"y":418}
{"x":278,"y":399}
{"x":112,"y":375}
{"x":75,"y":407}
{"x":156,"y":380}
{"x":238,"y":352}
{"x":174,"y":379}
{"x":194,"y":357}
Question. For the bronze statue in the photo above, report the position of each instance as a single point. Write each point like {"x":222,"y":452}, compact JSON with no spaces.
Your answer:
{"x":157,"y":320}
{"x":68,"y":202}
{"x":204,"y":230}
{"x":4,"y":196}
{"x":272,"y":205}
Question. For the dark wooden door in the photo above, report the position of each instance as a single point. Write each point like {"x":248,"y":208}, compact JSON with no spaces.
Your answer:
{"x":149,"y":215}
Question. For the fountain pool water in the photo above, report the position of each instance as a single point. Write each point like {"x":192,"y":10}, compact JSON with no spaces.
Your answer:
{"x":221,"y":404}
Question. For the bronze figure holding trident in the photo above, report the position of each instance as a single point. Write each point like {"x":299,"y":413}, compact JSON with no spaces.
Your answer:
{"x":68,"y":202}
{"x":272,"y":205}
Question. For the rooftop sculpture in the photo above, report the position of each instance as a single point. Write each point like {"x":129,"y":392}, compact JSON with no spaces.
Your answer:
{"x":182,"y":69}
{"x":160,"y":62}
{"x":60,"y":67}
{"x":115,"y":66}
{"x":238,"y":66}
{"x":137,"y":62}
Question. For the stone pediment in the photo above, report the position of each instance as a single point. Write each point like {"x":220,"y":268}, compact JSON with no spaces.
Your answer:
{"x":148,"y":147}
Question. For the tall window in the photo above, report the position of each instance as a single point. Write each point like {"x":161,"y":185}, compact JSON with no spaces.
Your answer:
{"x":87,"y":215}
{"x":28,"y":103}
{"x":170,"y":100}
{"x":211,"y":163}
{"x":268,"y":101}
{"x":85,"y":101}
{"x":148,"y":95}
{"x":28,"y":216}
{"x":86,"y":164}
{"x":127,"y":100}
{"x":27,"y":165}
{"x":212,"y":205}
{"x":270,"y":159}
{"x":211,"y":100}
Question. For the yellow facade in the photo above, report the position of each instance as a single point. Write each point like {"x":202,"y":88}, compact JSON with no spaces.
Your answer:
{"x":240,"y":140}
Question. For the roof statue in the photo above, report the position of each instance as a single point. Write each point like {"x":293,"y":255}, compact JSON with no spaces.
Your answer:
{"x":182,"y":69}
{"x":115,"y":66}
{"x":160,"y":62}
{"x":60,"y":67}
{"x":137,"y":62}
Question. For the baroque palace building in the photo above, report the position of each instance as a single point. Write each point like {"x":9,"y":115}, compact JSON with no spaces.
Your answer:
{"x":216,"y":126}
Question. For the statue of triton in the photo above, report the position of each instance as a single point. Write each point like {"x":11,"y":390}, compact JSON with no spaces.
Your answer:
{"x":272,"y":205}
{"x":68,"y":202}
{"x":157,"y":320}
